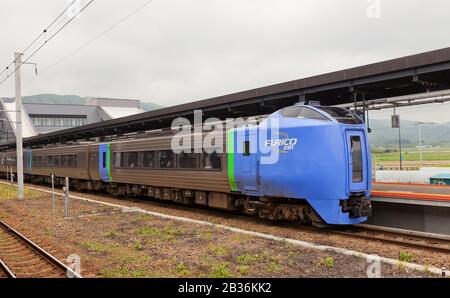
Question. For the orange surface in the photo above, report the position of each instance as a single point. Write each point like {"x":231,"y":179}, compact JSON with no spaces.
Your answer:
{"x":411,"y":191}
{"x":411,"y":195}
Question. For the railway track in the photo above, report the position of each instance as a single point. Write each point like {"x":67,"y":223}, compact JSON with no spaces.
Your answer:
{"x":439,"y":243}
{"x":21,"y":258}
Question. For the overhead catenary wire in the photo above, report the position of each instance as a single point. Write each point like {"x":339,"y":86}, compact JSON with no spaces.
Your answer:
{"x":6,"y":68}
{"x":41,"y":34}
{"x":111,"y":27}
{"x":47,"y":40}
{"x":49,"y":26}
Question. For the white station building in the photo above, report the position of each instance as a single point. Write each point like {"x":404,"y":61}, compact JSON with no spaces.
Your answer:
{"x":39,"y":118}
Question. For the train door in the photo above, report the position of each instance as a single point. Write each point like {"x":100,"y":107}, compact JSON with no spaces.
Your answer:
{"x":357,"y":160}
{"x":248,"y":162}
{"x":104,"y":157}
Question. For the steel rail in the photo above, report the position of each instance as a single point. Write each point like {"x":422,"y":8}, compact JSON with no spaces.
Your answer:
{"x":440,"y":243}
{"x":36,"y":248}
{"x":5,"y":269}
{"x":436,"y":242}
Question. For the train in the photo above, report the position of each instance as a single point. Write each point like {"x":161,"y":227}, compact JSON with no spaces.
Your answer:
{"x":301,"y":163}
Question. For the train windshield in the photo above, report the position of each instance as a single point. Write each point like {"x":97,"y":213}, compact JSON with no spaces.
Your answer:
{"x":303,"y":113}
{"x":341,"y":115}
{"x":357,"y":160}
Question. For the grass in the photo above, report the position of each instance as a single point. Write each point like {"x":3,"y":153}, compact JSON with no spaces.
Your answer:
{"x":206,"y":235}
{"x":138,"y":245}
{"x":167,"y":234}
{"x":217,"y":250}
{"x":406,"y":257}
{"x":124,"y":273}
{"x":413,"y":156}
{"x":244,"y":270}
{"x":149,"y":231}
{"x":274,"y":267}
{"x":97,"y":247}
{"x":221,"y":270}
{"x":130,"y":266}
{"x":327,"y":262}
{"x":10,"y":192}
{"x":247,"y":259}
{"x":110,"y":234}
{"x":182,"y":269}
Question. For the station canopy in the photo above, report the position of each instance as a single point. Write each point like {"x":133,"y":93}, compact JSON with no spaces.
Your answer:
{"x":420,"y":73}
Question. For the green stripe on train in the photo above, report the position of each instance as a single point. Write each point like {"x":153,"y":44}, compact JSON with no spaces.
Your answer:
{"x":230,"y":151}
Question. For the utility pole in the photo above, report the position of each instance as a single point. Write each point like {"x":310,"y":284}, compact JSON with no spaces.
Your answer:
{"x":396,"y":124}
{"x":419,"y":124}
{"x":17,"y":64}
{"x":420,"y":142}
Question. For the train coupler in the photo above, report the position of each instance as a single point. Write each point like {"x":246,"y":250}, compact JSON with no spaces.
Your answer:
{"x":357,"y":206}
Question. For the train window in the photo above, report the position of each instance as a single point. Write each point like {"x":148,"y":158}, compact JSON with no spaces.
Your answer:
{"x":303,"y":113}
{"x":56,"y":161}
{"x":71,"y":161}
{"x":246,"y":148}
{"x":166,"y":159}
{"x":37,"y":160}
{"x":104,"y":159}
{"x":148,"y":159}
{"x":342,"y":115}
{"x":216,"y":160}
{"x":357,"y":162}
{"x":187,"y":160}
{"x":118,"y":159}
{"x":50,"y":162}
{"x":132,"y":159}
{"x":63,"y":160}
{"x":211,"y":161}
{"x":11,"y":161}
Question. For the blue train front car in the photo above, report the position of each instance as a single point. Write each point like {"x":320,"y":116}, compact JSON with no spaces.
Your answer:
{"x":315,"y":156}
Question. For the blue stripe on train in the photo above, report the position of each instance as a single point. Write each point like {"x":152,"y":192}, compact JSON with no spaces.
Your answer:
{"x":103,"y":162}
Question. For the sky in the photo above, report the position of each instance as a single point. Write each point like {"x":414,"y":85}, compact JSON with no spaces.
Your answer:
{"x":177,"y":51}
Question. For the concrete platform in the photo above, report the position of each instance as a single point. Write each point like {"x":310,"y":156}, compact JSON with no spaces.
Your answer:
{"x":424,"y":208}
{"x":420,"y":191}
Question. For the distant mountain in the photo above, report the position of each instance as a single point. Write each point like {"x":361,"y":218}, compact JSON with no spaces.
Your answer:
{"x":70,"y":99}
{"x":383,"y":135}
